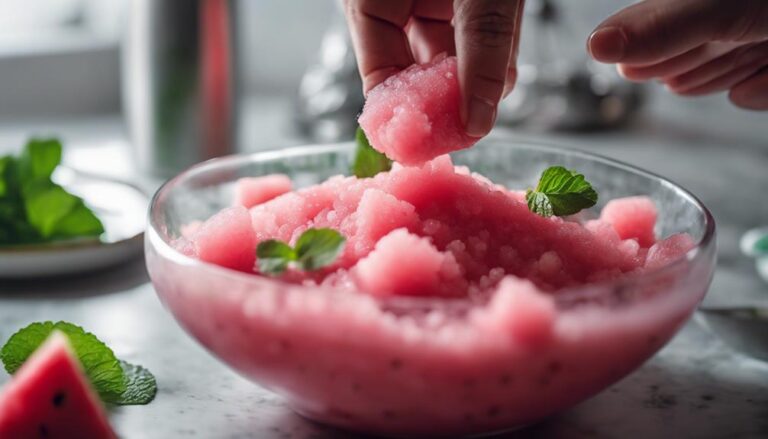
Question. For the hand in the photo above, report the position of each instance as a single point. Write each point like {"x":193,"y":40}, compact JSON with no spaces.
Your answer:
{"x":695,"y":47}
{"x":390,"y":35}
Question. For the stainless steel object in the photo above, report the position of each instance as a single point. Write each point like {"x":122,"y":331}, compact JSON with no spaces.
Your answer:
{"x":179,"y":82}
{"x":331,"y":93}
{"x":558,"y":86}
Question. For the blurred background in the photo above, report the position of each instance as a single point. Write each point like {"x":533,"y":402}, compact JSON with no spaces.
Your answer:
{"x":139,"y":89}
{"x":60,"y":61}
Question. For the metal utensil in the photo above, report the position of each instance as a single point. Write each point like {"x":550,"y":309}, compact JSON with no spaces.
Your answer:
{"x":179,"y":82}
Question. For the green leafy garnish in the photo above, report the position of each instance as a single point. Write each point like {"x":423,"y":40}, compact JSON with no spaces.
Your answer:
{"x":560,"y":192}
{"x":315,"y":249}
{"x":368,"y":162}
{"x":116,"y":382}
{"x":32,"y":207}
{"x":141,"y":386}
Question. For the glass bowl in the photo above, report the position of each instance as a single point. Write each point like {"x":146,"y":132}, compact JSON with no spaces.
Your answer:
{"x":424,"y":367}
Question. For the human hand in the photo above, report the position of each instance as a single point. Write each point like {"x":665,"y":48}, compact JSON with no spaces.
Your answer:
{"x":390,"y":35}
{"x":695,"y":47}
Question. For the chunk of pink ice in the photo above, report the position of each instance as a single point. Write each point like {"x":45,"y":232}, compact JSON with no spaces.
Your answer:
{"x":227,"y":239}
{"x":667,"y":250}
{"x":401,"y":264}
{"x":250,"y":191}
{"x":413,"y":116}
{"x":632,"y":218}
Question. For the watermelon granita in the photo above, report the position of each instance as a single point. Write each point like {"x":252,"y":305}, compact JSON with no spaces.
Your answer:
{"x":50,"y":397}
{"x":452,"y":309}
{"x":413,"y":116}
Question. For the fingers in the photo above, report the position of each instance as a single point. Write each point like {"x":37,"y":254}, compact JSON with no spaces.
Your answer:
{"x":723,"y":72}
{"x":430,"y":31}
{"x":378,"y":36}
{"x":751,"y":94}
{"x":484,"y":34}
{"x":509,"y":85}
{"x":676,"y":65}
{"x":656,"y":30}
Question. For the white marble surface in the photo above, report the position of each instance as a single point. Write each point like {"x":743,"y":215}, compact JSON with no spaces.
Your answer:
{"x":694,"y":388}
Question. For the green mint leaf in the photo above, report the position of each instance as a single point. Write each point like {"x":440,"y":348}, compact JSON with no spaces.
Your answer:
{"x":98,"y":360}
{"x":560,"y":192}
{"x":317,"y":248}
{"x":46,"y":204}
{"x":368,"y":162}
{"x":141,"y":386}
{"x":274,"y":256}
{"x":5,"y":169}
{"x":39,"y":159}
{"x":33,"y":208}
{"x":80,"y":221}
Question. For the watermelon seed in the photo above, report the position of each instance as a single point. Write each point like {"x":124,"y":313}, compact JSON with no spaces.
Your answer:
{"x":59,"y":398}
{"x":43,"y":430}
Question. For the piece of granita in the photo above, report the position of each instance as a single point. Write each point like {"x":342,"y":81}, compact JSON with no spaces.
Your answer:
{"x":413,"y":116}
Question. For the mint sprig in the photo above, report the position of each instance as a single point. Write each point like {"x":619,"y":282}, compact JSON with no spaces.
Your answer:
{"x":368,"y":161}
{"x":116,"y":382}
{"x":141,"y":386}
{"x":33,"y":208}
{"x":315,"y":249}
{"x":560,"y":192}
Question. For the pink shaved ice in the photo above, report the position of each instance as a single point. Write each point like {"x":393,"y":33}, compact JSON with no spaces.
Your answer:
{"x":227,"y":239}
{"x":632,"y":217}
{"x":438,"y":230}
{"x":404,"y":264}
{"x":250,"y":191}
{"x":413,"y":116}
{"x":669,"y":249}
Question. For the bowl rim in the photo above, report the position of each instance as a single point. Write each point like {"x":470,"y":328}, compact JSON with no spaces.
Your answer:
{"x":153,"y":236}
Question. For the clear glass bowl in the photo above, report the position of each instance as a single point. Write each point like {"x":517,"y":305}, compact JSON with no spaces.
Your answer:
{"x":422,"y":367}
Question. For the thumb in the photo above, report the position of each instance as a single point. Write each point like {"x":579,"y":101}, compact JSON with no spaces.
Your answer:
{"x":654,"y":30}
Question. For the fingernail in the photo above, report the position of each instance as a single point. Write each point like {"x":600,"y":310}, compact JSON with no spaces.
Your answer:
{"x":607,"y":44}
{"x":480,"y":117}
{"x":620,"y":71}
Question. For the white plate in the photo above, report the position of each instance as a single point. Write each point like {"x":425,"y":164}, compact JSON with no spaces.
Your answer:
{"x":121,"y":207}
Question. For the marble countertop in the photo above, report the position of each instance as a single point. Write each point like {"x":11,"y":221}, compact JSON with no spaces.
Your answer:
{"x":696,"y":387}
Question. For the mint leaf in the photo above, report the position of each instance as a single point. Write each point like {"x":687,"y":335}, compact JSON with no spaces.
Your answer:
{"x":560,"y":192}
{"x":141,"y":386}
{"x":39,"y":159}
{"x":46,"y":204}
{"x":35,"y":209}
{"x":117,"y":382}
{"x":5,"y":168}
{"x":98,"y":360}
{"x":317,"y":248}
{"x":274,"y":256}
{"x":368,"y":162}
{"x":80,"y":221}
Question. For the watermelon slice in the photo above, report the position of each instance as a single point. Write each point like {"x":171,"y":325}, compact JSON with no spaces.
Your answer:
{"x":50,"y":397}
